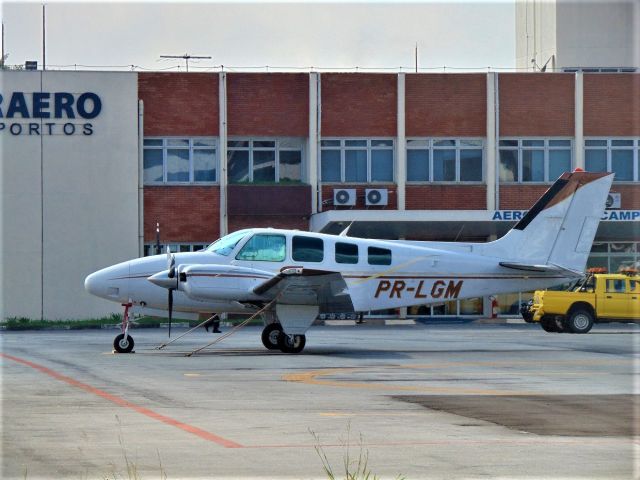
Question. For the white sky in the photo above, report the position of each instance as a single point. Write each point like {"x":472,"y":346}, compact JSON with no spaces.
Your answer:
{"x":330,"y":35}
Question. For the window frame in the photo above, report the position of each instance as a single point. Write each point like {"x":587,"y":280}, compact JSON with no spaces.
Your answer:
{"x":277,"y":148}
{"x":343,"y":148}
{"x":191,"y":148}
{"x":609,"y":148}
{"x":176,"y":247}
{"x":431,"y":148}
{"x":546,"y":148}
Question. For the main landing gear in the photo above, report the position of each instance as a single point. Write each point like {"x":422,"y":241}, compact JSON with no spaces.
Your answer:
{"x":123,"y":343}
{"x":275,"y":339}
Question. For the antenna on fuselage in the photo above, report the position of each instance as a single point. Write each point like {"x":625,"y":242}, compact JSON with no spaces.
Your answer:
{"x":158,"y":248}
{"x":345,"y":232}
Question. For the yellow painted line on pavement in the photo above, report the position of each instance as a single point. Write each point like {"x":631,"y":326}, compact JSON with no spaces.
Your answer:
{"x":315,"y":377}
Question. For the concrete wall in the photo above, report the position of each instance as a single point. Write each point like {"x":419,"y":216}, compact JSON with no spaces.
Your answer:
{"x":586,"y":33}
{"x":69,"y":201}
{"x":597,"y":33}
{"x":535,"y":33}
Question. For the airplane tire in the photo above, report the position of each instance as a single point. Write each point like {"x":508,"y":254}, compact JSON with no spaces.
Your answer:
{"x":287,"y":345}
{"x":270,"y":336}
{"x":549,"y":324}
{"x":123,"y":345}
{"x":580,"y":321}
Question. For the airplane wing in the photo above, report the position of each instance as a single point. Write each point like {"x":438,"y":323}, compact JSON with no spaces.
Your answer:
{"x":304,"y":286}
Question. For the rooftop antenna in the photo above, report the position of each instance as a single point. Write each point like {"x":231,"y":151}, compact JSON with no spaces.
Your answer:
{"x":186,"y":58}
{"x":416,"y":57}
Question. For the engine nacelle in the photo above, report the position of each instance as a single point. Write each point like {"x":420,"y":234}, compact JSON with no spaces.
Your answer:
{"x":220,"y":282}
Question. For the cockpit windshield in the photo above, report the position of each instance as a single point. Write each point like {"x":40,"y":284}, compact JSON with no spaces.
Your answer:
{"x":225,"y":245}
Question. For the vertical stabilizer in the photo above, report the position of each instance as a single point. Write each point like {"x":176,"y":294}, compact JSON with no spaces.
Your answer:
{"x":560,"y":227}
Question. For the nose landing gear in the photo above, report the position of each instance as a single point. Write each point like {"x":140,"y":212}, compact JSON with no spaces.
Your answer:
{"x":123,"y":343}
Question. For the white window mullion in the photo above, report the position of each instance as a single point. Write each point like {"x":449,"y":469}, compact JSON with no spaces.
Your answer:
{"x":456,"y":167}
{"x":277,"y":162}
{"x":191,"y":174}
{"x":431,"y":157}
{"x":545,"y":160}
{"x":164,"y":160}
{"x":369,"y":161}
{"x":343,"y":157}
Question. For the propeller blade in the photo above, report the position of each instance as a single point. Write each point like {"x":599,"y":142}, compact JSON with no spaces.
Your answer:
{"x":170,"y":309}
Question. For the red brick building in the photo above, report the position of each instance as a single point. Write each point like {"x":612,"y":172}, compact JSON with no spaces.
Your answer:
{"x":415,"y":156}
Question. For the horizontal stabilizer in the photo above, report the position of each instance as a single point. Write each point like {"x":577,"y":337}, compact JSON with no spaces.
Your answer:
{"x":541,"y":268}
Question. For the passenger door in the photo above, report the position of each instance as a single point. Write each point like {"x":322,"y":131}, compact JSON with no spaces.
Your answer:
{"x":615,"y":302}
{"x":634,"y":299}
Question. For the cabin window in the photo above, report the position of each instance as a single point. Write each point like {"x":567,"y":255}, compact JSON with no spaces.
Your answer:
{"x":379,"y":256}
{"x":225,"y":245}
{"x":308,"y":249}
{"x":263,"y":248}
{"x":615,"y":286}
{"x":346,"y":253}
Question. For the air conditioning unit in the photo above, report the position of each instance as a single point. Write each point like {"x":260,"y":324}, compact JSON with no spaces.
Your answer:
{"x":613,"y":200}
{"x":376,"y":197}
{"x":345,"y":197}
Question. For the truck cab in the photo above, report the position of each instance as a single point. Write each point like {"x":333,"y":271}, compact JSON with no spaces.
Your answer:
{"x":596,"y":298}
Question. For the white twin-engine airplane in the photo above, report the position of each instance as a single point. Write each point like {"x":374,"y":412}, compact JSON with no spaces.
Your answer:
{"x":293,"y":275}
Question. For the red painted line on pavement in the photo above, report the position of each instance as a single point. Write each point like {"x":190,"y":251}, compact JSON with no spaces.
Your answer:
{"x":126,"y":404}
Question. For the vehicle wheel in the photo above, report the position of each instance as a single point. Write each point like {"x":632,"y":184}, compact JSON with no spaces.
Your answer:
{"x":549,"y":324}
{"x":122,"y":344}
{"x":270,"y":336}
{"x":287,"y":344}
{"x":580,"y":321}
{"x":525,"y":311}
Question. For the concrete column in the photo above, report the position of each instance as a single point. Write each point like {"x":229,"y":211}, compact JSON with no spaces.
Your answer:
{"x":492,"y":141}
{"x":314,"y":139}
{"x":140,"y":178}
{"x":222,"y":152}
{"x":401,"y":146}
{"x":578,"y":141}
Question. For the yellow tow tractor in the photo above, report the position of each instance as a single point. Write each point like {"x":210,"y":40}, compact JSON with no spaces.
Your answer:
{"x":596,"y":298}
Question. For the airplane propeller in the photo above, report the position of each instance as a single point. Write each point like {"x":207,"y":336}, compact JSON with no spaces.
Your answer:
{"x":171,"y":263}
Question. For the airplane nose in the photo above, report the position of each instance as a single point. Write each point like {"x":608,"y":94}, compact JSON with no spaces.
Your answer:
{"x":110,"y":283}
{"x":92,"y":282}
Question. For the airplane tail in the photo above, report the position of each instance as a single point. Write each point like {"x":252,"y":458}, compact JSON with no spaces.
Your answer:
{"x":556,"y":234}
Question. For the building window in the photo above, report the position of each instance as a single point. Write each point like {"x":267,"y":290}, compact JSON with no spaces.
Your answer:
{"x":615,"y":256}
{"x":272,"y":160}
{"x":356,"y":160}
{"x":179,"y":160}
{"x":600,"y":69}
{"x":618,"y":155}
{"x":534,"y":159}
{"x":444,"y":160}
{"x":152,"y":248}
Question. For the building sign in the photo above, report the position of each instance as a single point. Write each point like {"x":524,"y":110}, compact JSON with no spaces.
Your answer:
{"x":48,"y":113}
{"x":609,"y":215}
